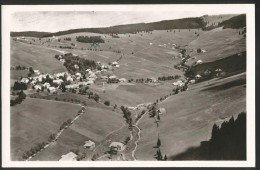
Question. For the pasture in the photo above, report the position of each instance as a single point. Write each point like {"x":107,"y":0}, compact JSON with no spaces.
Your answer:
{"x":34,"y":120}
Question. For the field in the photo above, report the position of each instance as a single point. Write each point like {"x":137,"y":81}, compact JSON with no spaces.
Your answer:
{"x":34,"y":120}
{"x":191,"y":115}
{"x":40,"y":58}
{"x":94,"y":124}
{"x":133,"y":94}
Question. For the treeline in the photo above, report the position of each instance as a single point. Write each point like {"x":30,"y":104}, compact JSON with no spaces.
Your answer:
{"x":185,"y":23}
{"x":29,"y":34}
{"x":228,"y":142}
{"x":90,"y":39}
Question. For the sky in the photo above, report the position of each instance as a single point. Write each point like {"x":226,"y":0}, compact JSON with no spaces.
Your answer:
{"x":53,"y":21}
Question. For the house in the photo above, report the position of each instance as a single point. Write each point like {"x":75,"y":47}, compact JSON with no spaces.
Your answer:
{"x":25,"y":80}
{"x":198,"y":76}
{"x":118,"y":146}
{"x":78,"y":74}
{"x":122,"y":80}
{"x":151,"y":43}
{"x":112,"y":77}
{"x":89,"y":144}
{"x":115,"y":63}
{"x":37,"y":87}
{"x":162,"y":110}
{"x":154,"y":80}
{"x":177,"y":83}
{"x":69,"y":78}
{"x":203,"y":51}
{"x":104,"y":66}
{"x":52,"y":89}
{"x":58,"y":81}
{"x":104,"y":77}
{"x":69,"y":157}
{"x":33,"y":82}
{"x":36,"y":72}
{"x":218,"y":70}
{"x":198,"y":62}
{"x":46,"y":85}
{"x":192,"y":81}
{"x":76,"y":66}
{"x":62,"y":60}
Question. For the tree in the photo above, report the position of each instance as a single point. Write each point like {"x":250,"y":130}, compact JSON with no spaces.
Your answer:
{"x":158,"y":142}
{"x":107,"y":102}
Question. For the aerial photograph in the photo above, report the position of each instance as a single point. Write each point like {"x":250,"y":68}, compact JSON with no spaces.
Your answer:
{"x":128,"y":86}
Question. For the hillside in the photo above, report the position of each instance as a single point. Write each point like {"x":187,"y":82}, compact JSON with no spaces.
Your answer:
{"x":38,"y":57}
{"x":235,"y":22}
{"x":32,"y":122}
{"x":188,"y":113}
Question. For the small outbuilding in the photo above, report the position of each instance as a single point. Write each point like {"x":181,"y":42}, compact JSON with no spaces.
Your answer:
{"x":89,"y":145}
{"x":69,"y":157}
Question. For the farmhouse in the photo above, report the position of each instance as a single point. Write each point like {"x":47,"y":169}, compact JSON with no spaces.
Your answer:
{"x":46,"y":85}
{"x":118,"y":146}
{"x":69,"y":157}
{"x":114,"y":63}
{"x":37,"y":87}
{"x":176,"y":83}
{"x":89,"y":144}
{"x":162,"y":110}
{"x":25,"y":80}
{"x":36,"y":72}
{"x":78,"y":74}
{"x":62,"y":60}
{"x":122,"y":80}
{"x":198,"y":62}
{"x":58,"y":81}
{"x":69,"y":78}
{"x":192,"y":81}
{"x":52,"y":89}
{"x":76,"y":66}
{"x":104,"y":77}
{"x":198,"y":76}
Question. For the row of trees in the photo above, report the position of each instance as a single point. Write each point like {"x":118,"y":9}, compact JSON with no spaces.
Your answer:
{"x":127,"y":115}
{"x":34,"y":150}
{"x":164,"y":78}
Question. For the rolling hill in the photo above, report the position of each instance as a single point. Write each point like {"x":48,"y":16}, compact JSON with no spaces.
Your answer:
{"x":189,"y":119}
